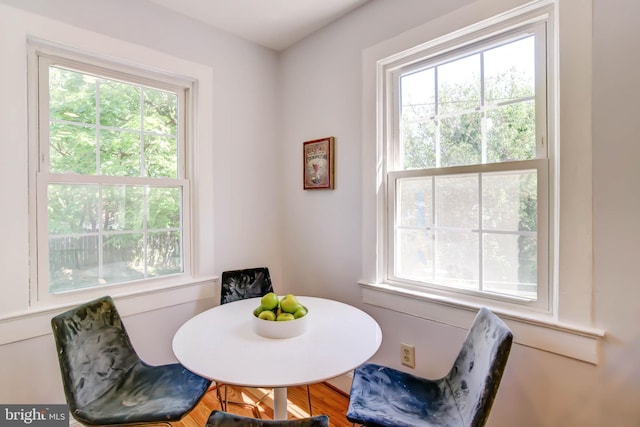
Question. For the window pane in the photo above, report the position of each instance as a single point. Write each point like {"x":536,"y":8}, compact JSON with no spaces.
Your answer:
{"x":163,"y":253}
{"x":511,"y":132}
{"x":73,"y":263}
{"x":509,"y":201}
{"x":457,"y":258}
{"x":414,"y":257}
{"x":418,"y":145}
{"x":72,"y":149}
{"x":415,"y":198}
{"x":72,"y":208}
{"x":459,"y":85}
{"x":457,"y":201}
{"x":160,"y":156}
{"x":418,"y":95}
{"x":461,"y":140}
{"x":119,"y":153}
{"x":418,"y":131}
{"x":123,"y":207}
{"x":160,"y":112}
{"x":123,"y":257}
{"x":509,"y":71}
{"x":119,"y":105}
{"x":510,"y":264}
{"x":72,"y":96}
{"x":164,"y":207}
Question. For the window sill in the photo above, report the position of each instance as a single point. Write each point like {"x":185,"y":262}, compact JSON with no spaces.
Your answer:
{"x":37,"y":322}
{"x":544,"y":333}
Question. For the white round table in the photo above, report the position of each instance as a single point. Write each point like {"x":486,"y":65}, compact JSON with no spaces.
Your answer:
{"x":220,"y":344}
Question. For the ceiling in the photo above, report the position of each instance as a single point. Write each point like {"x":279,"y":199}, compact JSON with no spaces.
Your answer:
{"x":276,"y":24}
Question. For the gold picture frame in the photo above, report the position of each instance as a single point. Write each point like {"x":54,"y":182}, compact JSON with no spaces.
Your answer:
{"x":318,"y":164}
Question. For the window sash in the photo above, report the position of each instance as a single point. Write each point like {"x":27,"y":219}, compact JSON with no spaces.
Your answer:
{"x":542,"y":224}
{"x":115,"y":72}
{"x":396,"y":71}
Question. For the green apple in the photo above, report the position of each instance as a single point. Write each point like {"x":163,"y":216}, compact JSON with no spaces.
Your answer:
{"x":269,"y":301}
{"x":284,"y":317}
{"x":267,"y":315}
{"x":301,"y":312}
{"x":289,"y":303}
{"x":258,"y":310}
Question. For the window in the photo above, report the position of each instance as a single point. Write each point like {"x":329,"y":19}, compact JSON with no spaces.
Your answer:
{"x":467,"y":174}
{"x":112,"y":187}
{"x":466,"y":154}
{"x":558,"y":317}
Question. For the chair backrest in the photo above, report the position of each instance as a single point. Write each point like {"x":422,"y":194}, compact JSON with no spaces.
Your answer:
{"x":226,"y":419}
{"x":94,"y":350}
{"x":242,"y":284}
{"x":477,"y":371}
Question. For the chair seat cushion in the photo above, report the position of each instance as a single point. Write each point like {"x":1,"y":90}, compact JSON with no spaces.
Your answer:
{"x":146,"y":394}
{"x":382,"y":396}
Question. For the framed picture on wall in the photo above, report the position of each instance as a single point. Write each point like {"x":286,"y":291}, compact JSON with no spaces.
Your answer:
{"x":318,"y":164}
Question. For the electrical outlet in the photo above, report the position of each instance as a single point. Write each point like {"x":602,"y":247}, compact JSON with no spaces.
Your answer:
{"x":408,"y":355}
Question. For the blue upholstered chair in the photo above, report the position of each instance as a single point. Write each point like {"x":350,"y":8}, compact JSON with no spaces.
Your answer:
{"x":106,"y":383}
{"x":382,"y":396}
{"x":225,"y":419}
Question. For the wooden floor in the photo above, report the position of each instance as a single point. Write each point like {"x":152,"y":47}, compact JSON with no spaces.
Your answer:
{"x":324,"y":399}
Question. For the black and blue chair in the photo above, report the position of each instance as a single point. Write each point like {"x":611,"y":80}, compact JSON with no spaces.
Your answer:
{"x":246,"y":283}
{"x":225,"y":419}
{"x":382,"y":396}
{"x":106,"y":383}
{"x":238,"y":285}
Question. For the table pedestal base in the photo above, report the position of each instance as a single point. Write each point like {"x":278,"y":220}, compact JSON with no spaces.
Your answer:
{"x":280,"y":403}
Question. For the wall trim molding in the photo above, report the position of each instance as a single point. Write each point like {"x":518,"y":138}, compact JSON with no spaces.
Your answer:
{"x":35,"y":323}
{"x":536,"y":331}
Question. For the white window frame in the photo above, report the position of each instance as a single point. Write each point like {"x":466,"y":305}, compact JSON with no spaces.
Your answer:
{"x":45,"y":58}
{"x":477,"y":41}
{"x":566,"y":326}
{"x":41,"y":55}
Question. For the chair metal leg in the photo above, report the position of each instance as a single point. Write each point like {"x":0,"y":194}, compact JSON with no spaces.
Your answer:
{"x":224,"y":402}
{"x":309,"y":400}
{"x":262,"y":398}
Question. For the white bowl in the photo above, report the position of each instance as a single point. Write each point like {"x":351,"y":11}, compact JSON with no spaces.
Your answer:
{"x":282,"y":329}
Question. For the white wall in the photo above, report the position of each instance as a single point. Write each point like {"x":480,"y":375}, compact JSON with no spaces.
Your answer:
{"x":616,"y":152}
{"x":244,"y":163}
{"x":321,"y":90}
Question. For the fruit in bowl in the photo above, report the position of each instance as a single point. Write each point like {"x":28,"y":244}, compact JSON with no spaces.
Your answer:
{"x":277,"y":317}
{"x":273,"y":308}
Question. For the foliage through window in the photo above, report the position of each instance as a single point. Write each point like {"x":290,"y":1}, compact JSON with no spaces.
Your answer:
{"x":467,"y":162}
{"x":112,"y":189}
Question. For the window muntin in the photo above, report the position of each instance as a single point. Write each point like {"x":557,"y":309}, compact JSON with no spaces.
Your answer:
{"x":112,"y":192}
{"x":467,"y":182}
